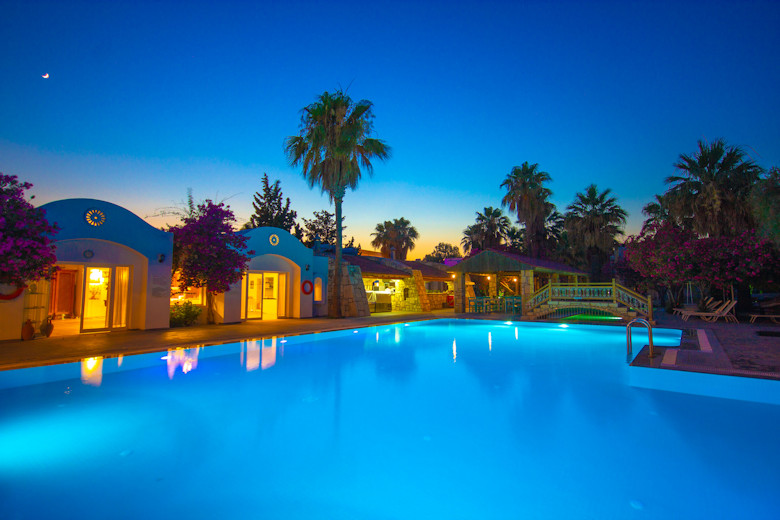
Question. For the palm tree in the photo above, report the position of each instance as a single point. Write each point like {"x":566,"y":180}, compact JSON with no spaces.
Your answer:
{"x":713,"y":188}
{"x":656,"y":211}
{"x":527,"y":195}
{"x":489,"y":230}
{"x":397,"y":234}
{"x":495,"y":226}
{"x":593,"y":221}
{"x":554,"y":227}
{"x":333,"y":145}
{"x":515,"y":238}
{"x":473,"y":238}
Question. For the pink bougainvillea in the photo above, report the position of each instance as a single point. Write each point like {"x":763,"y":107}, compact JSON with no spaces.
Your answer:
{"x":208,"y":252}
{"x":660,"y":253}
{"x":26,"y":237}
{"x":671,"y":256}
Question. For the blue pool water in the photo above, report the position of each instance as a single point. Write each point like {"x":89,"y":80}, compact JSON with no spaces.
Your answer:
{"x":441,"y":419}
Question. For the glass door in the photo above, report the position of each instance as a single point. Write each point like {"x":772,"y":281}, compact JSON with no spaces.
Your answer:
{"x":254,"y":296}
{"x":105,"y":298}
{"x":265,"y":295}
{"x":95,"y":313}
{"x":120,"y":297}
{"x":270,"y":296}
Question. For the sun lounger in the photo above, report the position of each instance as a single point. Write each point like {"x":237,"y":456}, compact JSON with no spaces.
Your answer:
{"x":774,"y":317}
{"x":725,"y":311}
{"x":710,"y":304}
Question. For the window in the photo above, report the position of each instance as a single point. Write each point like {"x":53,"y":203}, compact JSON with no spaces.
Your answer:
{"x":318,"y":289}
{"x":193,"y":295}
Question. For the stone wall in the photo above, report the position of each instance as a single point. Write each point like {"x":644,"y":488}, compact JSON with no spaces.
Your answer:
{"x":409,"y":299}
{"x":526,"y":288}
{"x":438,"y":300}
{"x":354,"y":302}
{"x":463,"y":291}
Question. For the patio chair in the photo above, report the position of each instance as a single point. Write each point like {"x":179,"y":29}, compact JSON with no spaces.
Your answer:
{"x":477,"y":304}
{"x":710,"y":304}
{"x":725,"y":311}
{"x":767,"y":309}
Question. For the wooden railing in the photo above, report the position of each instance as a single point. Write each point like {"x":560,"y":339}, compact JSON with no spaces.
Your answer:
{"x":568,"y":294}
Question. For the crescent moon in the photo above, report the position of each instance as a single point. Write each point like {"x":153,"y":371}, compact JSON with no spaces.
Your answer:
{"x":45,"y":76}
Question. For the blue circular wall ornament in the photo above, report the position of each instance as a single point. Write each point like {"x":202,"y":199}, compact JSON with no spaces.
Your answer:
{"x":95,"y":217}
{"x":274,"y":240}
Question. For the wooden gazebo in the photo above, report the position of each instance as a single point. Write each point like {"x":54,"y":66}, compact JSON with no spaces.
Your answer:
{"x":509,"y":273}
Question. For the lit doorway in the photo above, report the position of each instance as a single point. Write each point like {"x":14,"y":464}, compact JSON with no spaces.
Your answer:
{"x":105,"y":298}
{"x":265,"y":295}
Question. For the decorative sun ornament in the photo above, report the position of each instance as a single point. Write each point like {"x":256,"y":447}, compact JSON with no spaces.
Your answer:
{"x":95,"y":217}
{"x":45,"y":76}
{"x":274,"y":240}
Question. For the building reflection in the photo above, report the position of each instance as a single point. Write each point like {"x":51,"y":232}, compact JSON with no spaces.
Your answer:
{"x":184,"y":358}
{"x":92,"y":371}
{"x":260,"y":354}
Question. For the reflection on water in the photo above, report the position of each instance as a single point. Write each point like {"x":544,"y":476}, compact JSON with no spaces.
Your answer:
{"x":268,"y":354}
{"x":186,"y":358}
{"x":260,"y":354}
{"x":454,"y":352}
{"x":92,"y":371}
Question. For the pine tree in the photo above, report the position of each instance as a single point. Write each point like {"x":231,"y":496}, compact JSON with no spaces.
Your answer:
{"x":269,"y":210}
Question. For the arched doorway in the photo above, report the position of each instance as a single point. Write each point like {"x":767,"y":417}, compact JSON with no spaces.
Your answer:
{"x":268,"y":288}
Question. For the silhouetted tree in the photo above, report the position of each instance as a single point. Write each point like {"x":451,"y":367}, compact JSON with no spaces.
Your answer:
{"x":271,"y":209}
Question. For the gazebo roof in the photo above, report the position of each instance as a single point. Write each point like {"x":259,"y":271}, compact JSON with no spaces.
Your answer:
{"x":493,"y":261}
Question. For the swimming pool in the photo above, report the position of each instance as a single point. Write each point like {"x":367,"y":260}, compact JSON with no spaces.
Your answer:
{"x":438,"y":419}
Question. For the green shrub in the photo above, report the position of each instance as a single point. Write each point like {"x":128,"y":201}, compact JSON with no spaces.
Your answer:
{"x":184,"y":314}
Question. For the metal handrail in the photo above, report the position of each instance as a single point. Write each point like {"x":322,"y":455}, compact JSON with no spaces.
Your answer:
{"x":629,"y":343}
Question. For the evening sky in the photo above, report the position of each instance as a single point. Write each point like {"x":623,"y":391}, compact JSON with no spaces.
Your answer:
{"x":144,"y":100}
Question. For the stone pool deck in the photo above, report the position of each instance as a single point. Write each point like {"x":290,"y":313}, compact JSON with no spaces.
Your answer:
{"x":743,"y":349}
{"x":739,"y":349}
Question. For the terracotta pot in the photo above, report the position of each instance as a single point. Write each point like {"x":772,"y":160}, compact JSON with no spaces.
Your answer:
{"x":47,"y":327}
{"x":27,"y":331}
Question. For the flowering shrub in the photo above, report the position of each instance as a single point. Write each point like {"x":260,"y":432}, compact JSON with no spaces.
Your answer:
{"x":207,"y":252}
{"x":726,"y":261}
{"x":660,"y":253}
{"x":672,"y":256}
{"x":26,"y":237}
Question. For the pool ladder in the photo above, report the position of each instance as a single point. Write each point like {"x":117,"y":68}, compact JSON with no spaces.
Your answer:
{"x":629,"y":345}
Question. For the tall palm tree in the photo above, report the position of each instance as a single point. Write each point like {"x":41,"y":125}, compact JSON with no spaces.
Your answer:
{"x":593,"y":221}
{"x":397,"y":234}
{"x":527,"y":195}
{"x":332,"y":146}
{"x":712,"y":188}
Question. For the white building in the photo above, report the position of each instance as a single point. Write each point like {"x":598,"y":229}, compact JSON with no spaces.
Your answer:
{"x":284,"y":279}
{"x":114,"y":272}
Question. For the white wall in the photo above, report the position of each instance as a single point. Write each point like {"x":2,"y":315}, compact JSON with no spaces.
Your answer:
{"x":11,"y":313}
{"x":279,"y":251}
